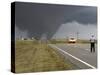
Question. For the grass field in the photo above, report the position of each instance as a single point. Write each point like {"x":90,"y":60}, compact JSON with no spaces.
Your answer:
{"x":36,"y":57}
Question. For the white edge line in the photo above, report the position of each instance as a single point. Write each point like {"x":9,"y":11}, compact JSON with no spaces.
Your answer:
{"x":73,"y":56}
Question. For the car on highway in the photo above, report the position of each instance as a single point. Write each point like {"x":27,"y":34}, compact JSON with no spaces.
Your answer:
{"x":71,"y":40}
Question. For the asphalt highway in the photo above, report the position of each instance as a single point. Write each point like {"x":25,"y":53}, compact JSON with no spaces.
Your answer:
{"x":79,"y":54}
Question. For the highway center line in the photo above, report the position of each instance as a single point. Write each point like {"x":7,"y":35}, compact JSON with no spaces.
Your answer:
{"x":73,"y":56}
{"x":82,"y":48}
{"x":87,"y":49}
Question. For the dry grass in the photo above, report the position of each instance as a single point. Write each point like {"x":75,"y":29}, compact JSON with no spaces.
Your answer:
{"x":36,"y":57}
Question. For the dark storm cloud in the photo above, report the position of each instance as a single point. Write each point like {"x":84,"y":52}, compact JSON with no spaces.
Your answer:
{"x":38,"y":19}
{"x":85,"y":15}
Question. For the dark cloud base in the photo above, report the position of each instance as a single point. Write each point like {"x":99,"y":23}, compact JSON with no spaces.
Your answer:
{"x":38,"y":19}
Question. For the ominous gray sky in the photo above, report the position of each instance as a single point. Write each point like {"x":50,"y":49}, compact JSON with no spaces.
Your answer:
{"x":70,"y":29}
{"x":34,"y":19}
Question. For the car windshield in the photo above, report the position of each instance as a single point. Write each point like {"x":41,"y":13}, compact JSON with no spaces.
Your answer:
{"x":72,"y":38}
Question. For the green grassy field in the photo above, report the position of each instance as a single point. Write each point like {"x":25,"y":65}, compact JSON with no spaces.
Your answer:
{"x":35,"y":57}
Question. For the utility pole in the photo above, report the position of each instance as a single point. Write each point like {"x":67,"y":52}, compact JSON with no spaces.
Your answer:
{"x":77,"y":35}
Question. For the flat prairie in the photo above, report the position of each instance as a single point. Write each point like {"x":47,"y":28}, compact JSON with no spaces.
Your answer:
{"x":32,"y":56}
